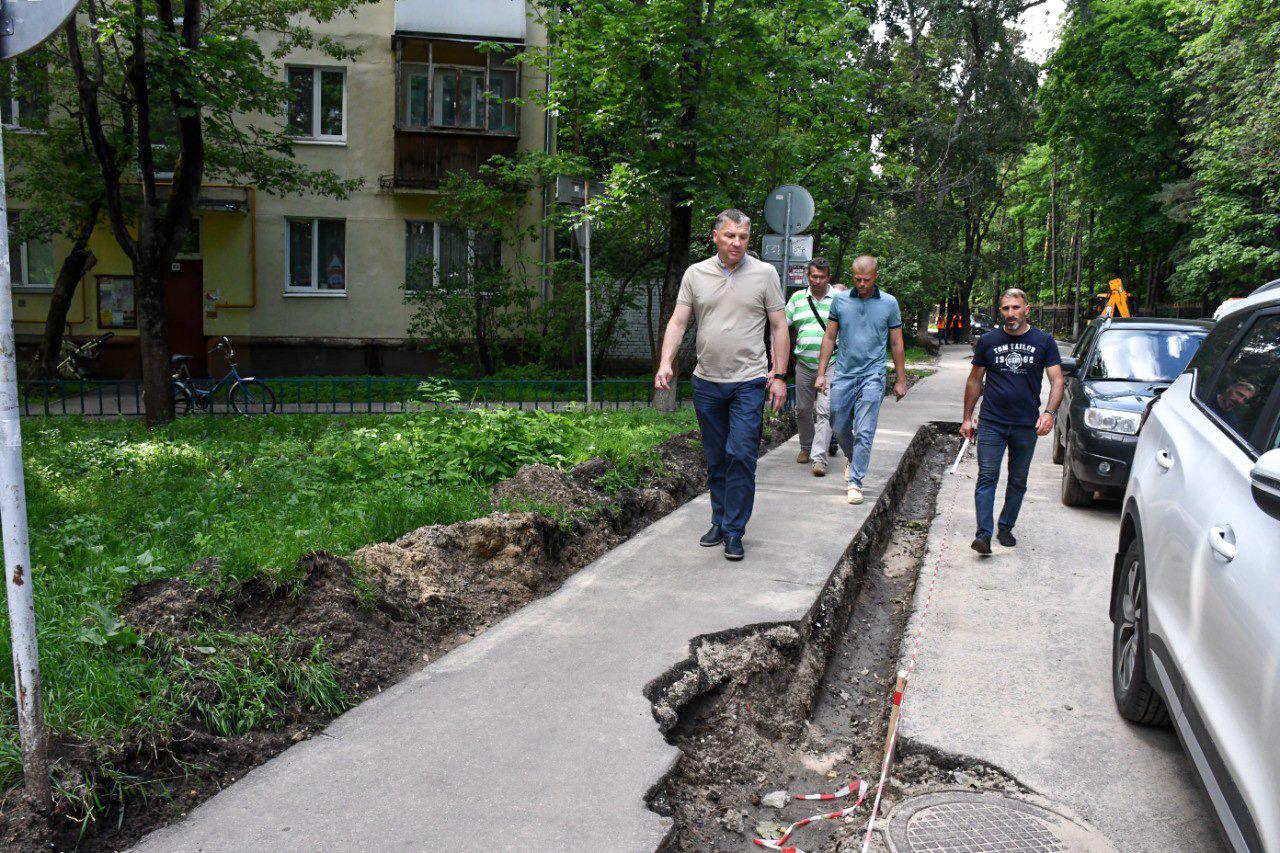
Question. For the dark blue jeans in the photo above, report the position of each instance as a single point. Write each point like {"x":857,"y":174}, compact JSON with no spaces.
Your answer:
{"x":730,"y":416}
{"x":993,"y":439}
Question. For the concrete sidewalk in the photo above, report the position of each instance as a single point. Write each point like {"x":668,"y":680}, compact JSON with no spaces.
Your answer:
{"x":537,"y":734}
{"x":1015,"y":670}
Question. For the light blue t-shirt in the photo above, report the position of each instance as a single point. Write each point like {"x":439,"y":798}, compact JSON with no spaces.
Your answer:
{"x":864,"y":331}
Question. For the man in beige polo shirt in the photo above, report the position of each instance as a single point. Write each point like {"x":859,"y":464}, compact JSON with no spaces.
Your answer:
{"x":732,"y":295}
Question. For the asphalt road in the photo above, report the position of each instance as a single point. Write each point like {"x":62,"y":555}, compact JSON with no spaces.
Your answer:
{"x":1015,"y":670}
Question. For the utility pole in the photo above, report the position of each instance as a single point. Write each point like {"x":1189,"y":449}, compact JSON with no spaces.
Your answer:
{"x":1053,"y":233}
{"x":1075,"y":302}
{"x":18,"y":579}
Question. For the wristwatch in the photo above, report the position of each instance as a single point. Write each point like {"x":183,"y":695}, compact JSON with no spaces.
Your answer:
{"x":1053,"y":413}
{"x":781,"y":376}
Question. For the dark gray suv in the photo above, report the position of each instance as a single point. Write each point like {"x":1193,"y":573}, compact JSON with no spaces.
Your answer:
{"x":1117,"y":367}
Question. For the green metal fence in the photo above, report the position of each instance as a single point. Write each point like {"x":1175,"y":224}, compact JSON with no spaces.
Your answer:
{"x":352,"y":395}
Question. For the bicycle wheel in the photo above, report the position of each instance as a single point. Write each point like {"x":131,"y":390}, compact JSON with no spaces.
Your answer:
{"x":183,"y":403}
{"x":251,"y":397}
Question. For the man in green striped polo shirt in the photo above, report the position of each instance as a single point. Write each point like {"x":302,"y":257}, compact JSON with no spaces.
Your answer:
{"x":807,"y":312}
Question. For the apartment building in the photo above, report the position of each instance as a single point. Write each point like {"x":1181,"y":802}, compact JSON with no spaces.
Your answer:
{"x":314,"y":285}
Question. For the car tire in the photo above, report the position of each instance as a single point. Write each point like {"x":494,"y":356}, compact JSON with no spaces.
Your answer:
{"x":1136,"y":700}
{"x":1074,"y":493}
{"x":1059,"y":451}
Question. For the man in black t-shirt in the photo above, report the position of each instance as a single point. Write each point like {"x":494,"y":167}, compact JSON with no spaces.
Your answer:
{"x":1013,"y":359}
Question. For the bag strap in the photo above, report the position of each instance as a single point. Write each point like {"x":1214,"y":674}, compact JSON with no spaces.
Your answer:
{"x":814,"y":308}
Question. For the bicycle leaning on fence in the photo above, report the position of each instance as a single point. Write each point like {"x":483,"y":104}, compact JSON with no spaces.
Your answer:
{"x":245,"y":394}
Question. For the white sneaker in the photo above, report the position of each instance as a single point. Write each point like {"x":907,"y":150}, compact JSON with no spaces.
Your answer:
{"x":855,"y":495}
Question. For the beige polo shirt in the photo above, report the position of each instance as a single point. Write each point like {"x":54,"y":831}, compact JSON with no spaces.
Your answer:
{"x":732,"y":311}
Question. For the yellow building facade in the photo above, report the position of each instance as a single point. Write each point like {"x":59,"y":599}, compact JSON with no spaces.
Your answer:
{"x":311,"y":284}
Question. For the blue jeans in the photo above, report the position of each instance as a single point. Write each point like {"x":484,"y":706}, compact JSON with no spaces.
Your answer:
{"x":855,"y":411}
{"x":993,"y":439}
{"x":730,"y":415}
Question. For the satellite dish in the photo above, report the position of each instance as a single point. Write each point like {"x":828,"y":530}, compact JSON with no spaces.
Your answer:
{"x":802,"y":209}
{"x":26,"y":24}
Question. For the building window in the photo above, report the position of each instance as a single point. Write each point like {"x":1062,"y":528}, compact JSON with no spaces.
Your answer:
{"x":24,"y":100}
{"x":447,"y":258}
{"x":116,"y":306}
{"x":316,"y":256}
{"x":31,"y":260}
{"x":317,"y":102}
{"x":461,"y":97}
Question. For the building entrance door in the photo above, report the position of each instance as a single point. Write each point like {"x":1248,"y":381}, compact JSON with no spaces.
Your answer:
{"x":184,"y":313}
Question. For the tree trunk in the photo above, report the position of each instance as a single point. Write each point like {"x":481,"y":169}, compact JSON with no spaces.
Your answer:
{"x":679,"y":238}
{"x":78,"y":262}
{"x":153,"y":334}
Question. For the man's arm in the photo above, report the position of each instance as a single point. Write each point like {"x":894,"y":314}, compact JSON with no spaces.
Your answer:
{"x":1045,"y":423}
{"x":781,"y":356}
{"x":899,"y":350}
{"x":972,"y":391}
{"x":671,"y":344}
{"x":828,"y":347}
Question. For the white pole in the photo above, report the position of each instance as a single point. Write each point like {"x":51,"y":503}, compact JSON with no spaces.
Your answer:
{"x":586,"y":253}
{"x":786,"y":247}
{"x":17,"y":551}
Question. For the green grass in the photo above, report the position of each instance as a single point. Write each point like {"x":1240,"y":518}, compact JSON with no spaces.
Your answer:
{"x":112,"y":505}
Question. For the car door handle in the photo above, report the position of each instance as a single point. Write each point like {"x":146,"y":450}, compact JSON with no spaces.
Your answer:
{"x":1222,"y":541}
{"x":1164,"y":459}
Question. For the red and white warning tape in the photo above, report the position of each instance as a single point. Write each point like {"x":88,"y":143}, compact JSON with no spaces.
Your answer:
{"x":905,"y":678}
{"x":780,"y":844}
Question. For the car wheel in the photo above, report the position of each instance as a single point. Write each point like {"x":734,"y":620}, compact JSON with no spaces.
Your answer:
{"x":1136,"y":699}
{"x":1074,"y":493}
{"x":1059,"y":450}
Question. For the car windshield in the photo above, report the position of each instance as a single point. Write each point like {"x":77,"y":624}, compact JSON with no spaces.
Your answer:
{"x":1143,"y":355}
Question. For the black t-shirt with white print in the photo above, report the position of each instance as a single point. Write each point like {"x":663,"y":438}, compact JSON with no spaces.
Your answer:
{"x":1015,"y":369}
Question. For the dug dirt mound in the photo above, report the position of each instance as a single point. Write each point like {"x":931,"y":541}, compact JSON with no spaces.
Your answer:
{"x":380,"y":614}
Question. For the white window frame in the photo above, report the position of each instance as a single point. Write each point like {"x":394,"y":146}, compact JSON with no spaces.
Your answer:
{"x":435,"y":250}
{"x":25,"y":285}
{"x":314,"y":289}
{"x":316,"y":122}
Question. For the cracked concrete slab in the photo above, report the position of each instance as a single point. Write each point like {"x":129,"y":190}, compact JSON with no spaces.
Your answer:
{"x":537,"y":734}
{"x":1014,"y":670}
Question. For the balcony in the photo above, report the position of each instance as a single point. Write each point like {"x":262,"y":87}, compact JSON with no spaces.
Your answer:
{"x":425,"y":157}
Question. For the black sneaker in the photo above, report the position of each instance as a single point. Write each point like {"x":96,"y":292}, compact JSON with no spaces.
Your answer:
{"x":712,"y":537}
{"x":733,"y":548}
{"x":981,"y":544}
{"x":1005,"y":537}
{"x":834,"y":448}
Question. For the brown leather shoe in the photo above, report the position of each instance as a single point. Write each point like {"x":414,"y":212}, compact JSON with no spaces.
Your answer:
{"x":803,"y":457}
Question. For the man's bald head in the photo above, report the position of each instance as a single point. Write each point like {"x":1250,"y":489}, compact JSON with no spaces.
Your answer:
{"x":864,"y":275}
{"x":866,"y":264}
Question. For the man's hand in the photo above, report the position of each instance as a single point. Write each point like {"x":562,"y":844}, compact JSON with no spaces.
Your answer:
{"x":900,"y":388}
{"x":777,"y":394}
{"x":969,"y":429}
{"x":1045,"y":424}
{"x":662,"y":379}
{"x":821,"y":383}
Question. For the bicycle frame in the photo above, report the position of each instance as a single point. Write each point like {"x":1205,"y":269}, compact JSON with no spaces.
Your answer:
{"x":205,"y":394}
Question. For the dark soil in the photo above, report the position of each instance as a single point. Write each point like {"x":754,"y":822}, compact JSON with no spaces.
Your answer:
{"x":383,"y":613}
{"x":804,"y":708}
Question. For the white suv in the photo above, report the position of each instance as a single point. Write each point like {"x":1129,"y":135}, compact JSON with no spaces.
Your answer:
{"x":1195,"y":598}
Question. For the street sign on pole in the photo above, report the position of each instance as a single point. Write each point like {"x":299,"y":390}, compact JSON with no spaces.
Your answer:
{"x":24,"y":26}
{"x":788,"y":209}
{"x":577,"y":192}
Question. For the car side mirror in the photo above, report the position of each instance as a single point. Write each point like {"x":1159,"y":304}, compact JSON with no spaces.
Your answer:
{"x":1069,"y":366}
{"x":1265,"y":478}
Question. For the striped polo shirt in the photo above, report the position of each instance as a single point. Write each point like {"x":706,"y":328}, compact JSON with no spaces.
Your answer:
{"x":809,"y":332}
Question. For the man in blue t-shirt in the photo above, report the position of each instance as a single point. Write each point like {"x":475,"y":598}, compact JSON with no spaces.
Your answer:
{"x":865,"y":321}
{"x":1013,"y":358}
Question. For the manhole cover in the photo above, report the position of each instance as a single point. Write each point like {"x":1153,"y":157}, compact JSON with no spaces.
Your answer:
{"x":968,"y":822}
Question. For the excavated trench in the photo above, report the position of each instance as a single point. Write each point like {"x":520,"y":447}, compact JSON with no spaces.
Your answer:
{"x":803,"y":707}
